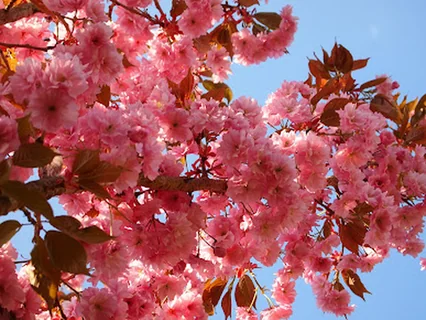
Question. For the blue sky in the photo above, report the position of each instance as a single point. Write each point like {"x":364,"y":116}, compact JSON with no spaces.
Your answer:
{"x":392,"y":34}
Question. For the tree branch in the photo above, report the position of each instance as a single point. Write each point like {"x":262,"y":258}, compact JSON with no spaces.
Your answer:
{"x":50,"y":187}
{"x":26,"y":46}
{"x":16,"y":13}
{"x":183,"y":184}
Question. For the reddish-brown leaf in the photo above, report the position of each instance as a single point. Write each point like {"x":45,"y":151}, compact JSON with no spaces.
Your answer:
{"x":66,"y":224}
{"x":217,"y":91}
{"x":33,"y":155}
{"x":270,"y":19}
{"x":386,"y":107}
{"x":245,"y":292}
{"x":25,"y":128}
{"x":7,"y":230}
{"x":419,"y":111}
{"x":32,"y":199}
{"x":226,"y":304}
{"x":44,"y":278}
{"x":94,"y":188}
{"x":178,"y":7}
{"x":318,"y":69}
{"x":416,"y":135}
{"x":359,"y":64}
{"x":105,"y":172}
{"x":223,"y":37}
{"x":248,"y":3}
{"x":354,"y":283}
{"x":352,"y":235}
{"x":104,"y":96}
{"x":66,"y":253}
{"x":340,"y":59}
{"x":92,"y":235}
{"x":372,"y":83}
{"x":330,"y":87}
{"x":329,"y":116}
{"x":85,"y":161}
{"x":4,"y":170}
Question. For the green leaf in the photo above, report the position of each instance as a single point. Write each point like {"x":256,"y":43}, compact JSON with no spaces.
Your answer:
{"x":32,"y":199}
{"x":85,"y":161}
{"x":66,"y":253}
{"x":270,"y":19}
{"x":7,"y":230}
{"x":33,"y":155}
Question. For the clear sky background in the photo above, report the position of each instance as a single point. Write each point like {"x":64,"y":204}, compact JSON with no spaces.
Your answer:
{"x":392,"y":33}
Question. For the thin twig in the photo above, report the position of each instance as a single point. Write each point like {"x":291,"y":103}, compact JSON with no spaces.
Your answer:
{"x":135,"y":11}
{"x":26,"y":46}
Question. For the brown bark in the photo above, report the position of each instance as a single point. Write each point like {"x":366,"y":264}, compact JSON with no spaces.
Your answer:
{"x":16,"y":13}
{"x":50,"y":187}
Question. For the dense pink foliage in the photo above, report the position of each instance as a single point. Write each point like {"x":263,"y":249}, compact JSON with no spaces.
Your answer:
{"x":286,"y":176}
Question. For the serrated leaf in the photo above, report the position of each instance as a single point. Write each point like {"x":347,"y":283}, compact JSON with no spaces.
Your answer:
{"x":104,"y":97}
{"x":270,"y":19}
{"x":245,"y":292}
{"x":329,"y":116}
{"x":341,"y":59}
{"x":66,"y":253}
{"x":94,"y":188}
{"x":354,"y":283}
{"x":7,"y":230}
{"x":32,"y":199}
{"x":386,"y":107}
{"x":226,"y":304}
{"x":85,"y":161}
{"x":217,"y":91}
{"x":33,"y":155}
